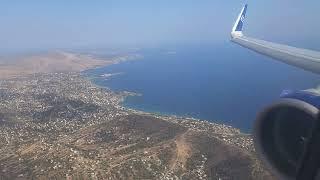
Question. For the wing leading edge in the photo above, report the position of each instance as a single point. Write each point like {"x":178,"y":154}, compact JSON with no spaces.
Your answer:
{"x":302,"y":58}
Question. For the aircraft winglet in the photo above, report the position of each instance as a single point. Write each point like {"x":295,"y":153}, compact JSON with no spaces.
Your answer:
{"x":303,"y":58}
{"x":237,"y":27}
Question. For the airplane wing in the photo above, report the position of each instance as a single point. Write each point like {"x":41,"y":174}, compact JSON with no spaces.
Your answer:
{"x":306,"y":59}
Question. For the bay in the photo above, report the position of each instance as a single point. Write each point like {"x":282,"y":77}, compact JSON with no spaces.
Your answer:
{"x":221,"y":83}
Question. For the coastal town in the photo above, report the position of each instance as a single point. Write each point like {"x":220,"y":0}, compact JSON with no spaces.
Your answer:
{"x":61,"y":125}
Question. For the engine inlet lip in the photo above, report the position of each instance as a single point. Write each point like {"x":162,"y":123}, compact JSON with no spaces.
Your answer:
{"x":283,"y":102}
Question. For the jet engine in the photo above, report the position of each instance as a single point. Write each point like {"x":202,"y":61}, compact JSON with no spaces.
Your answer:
{"x":286,"y":134}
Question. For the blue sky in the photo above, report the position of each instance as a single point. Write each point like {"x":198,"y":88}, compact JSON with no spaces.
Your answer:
{"x":47,"y":24}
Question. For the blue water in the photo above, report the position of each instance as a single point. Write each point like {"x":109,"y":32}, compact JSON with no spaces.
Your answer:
{"x":219,"y":83}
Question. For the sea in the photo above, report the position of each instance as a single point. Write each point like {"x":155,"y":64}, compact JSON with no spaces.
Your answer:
{"x":221,"y":83}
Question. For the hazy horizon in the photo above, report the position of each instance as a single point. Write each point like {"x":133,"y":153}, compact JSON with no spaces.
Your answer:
{"x":78,"y":24}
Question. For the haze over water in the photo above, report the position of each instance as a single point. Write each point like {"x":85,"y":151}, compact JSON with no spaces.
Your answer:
{"x":219,"y":83}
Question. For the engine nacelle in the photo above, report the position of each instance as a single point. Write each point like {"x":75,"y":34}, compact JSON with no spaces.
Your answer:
{"x":282,"y":130}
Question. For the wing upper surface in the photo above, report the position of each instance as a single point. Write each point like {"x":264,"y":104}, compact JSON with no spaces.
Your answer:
{"x":302,"y":58}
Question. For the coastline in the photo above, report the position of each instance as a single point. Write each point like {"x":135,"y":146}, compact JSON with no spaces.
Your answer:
{"x":201,"y":125}
{"x":66,"y":126}
{"x":225,"y":133}
{"x":145,"y":112}
{"x":189,"y":122}
{"x":62,"y":125}
{"x":62,"y":63}
{"x":196,"y":124}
